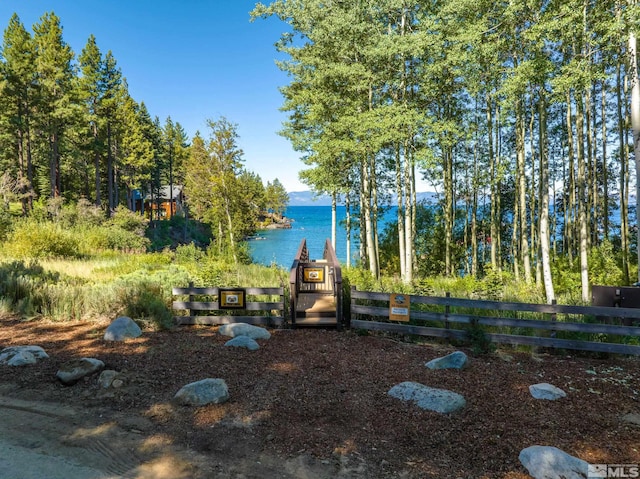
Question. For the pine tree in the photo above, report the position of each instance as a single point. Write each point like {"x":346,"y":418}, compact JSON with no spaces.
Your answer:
{"x":54,"y":63}
{"x":18,"y":97}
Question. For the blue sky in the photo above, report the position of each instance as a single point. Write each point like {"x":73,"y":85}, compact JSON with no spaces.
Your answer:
{"x":192,"y":60}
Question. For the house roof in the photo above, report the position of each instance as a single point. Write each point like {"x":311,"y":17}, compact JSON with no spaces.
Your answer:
{"x":164,"y":193}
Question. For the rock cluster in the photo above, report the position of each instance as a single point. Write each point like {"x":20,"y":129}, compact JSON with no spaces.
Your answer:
{"x":22,"y":355}
{"x":244,"y":335}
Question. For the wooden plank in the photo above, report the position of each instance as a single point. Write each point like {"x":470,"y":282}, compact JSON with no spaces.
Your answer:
{"x":215,"y":291}
{"x":213,"y":306}
{"x":565,"y":344}
{"x":589,"y":328}
{"x":633,"y":313}
{"x":316,"y":321}
{"x":500,"y":338}
{"x":215,"y":320}
{"x":408,"y":329}
{"x":316,"y":303}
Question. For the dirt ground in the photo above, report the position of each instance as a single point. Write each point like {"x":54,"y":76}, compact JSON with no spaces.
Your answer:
{"x":309,"y":404}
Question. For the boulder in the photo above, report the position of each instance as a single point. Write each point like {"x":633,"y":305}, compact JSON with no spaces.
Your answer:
{"x":455,"y":360}
{"x":243,"y":342}
{"x":200,"y":393}
{"x":243,"y":329}
{"x":72,"y":371}
{"x":22,"y":355}
{"x":546,"y":391}
{"x":547,"y":462}
{"x":121,"y":329}
{"x":106,"y":378}
{"x":425,"y":397}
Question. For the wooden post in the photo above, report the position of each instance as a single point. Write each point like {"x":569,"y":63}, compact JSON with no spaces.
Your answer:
{"x":554,"y":319}
{"x":191,"y":298}
{"x":447,"y":323}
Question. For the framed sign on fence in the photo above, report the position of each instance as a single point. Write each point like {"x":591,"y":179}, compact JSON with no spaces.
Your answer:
{"x":232,"y":298}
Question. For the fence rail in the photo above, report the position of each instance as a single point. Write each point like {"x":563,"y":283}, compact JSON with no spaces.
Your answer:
{"x":457,"y":311}
{"x":272,"y":311}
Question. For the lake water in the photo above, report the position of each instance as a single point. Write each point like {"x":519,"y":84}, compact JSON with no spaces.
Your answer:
{"x":311,"y":222}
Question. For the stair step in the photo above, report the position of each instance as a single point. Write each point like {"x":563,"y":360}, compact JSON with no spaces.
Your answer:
{"x":316,"y":303}
{"x":317,"y":321}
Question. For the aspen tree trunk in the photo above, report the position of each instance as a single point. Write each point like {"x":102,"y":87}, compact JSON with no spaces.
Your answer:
{"x":605,"y":169}
{"x":582,"y":201}
{"x":544,"y":204}
{"x":570,"y":202}
{"x":522,"y":190}
{"x":635,"y":121}
{"x":624,"y":231}
{"x":533,"y":198}
{"x":368,"y":225}
{"x":400,"y":212}
{"x":474,"y":214}
{"x":591,"y":196}
{"x":494,"y":226}
{"x":409,"y":216}
{"x":347,"y":205}
{"x":448,"y":209}
{"x":333,"y":220}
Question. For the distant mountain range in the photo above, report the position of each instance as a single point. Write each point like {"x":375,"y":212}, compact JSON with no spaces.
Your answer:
{"x":308,"y":198}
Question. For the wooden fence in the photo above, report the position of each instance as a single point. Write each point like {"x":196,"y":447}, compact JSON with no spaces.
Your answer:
{"x":258,"y":306}
{"x":508,"y":323}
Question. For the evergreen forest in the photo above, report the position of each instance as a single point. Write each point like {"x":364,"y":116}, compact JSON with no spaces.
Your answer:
{"x":71,"y":134}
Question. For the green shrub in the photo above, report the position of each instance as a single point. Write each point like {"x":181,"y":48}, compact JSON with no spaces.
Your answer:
{"x":144,"y":302}
{"x":129,"y":221}
{"x":115,"y":238}
{"x":34,"y":239}
{"x":188,"y":253}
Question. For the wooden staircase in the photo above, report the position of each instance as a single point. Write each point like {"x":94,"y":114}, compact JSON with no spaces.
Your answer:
{"x":316,"y":288}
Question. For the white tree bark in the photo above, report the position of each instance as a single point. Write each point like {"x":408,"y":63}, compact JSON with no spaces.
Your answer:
{"x":635,"y":120}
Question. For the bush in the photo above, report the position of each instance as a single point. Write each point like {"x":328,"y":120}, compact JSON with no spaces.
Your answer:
{"x":129,"y":221}
{"x":145,"y":302}
{"x":34,"y":239}
{"x":112,"y":238}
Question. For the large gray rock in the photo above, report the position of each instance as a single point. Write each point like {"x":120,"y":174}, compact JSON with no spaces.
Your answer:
{"x":546,"y":391}
{"x":243,"y":329}
{"x":455,"y":360}
{"x":200,"y":393}
{"x":121,"y":329}
{"x":425,"y":397}
{"x":243,"y":342}
{"x":547,"y":462}
{"x":22,"y":355}
{"x":72,"y":371}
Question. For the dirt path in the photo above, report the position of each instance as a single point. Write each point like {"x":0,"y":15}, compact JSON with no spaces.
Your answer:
{"x":69,"y":444}
{"x":63,"y":442}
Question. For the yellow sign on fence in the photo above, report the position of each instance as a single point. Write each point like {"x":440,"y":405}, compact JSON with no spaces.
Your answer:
{"x":399,"y":307}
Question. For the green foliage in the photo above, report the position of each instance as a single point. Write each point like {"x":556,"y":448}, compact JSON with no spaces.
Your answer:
{"x":479,"y":340}
{"x":113,"y":238}
{"x":34,"y":239}
{"x":491,"y":286}
{"x":145,"y":302}
{"x":188,"y":253}
{"x":605,"y":265}
{"x":128,"y":220}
